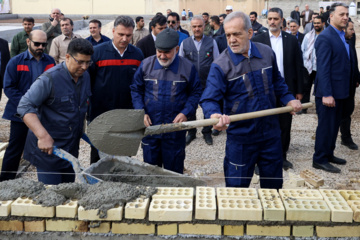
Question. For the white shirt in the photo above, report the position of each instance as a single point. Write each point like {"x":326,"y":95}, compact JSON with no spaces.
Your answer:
{"x":306,"y":16}
{"x":154,"y":37}
{"x":277,"y":47}
{"x":118,"y":50}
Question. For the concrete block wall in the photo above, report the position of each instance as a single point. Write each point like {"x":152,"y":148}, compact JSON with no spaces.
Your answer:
{"x":172,"y":212}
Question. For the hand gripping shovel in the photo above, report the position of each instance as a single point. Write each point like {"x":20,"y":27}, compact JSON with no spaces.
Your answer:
{"x":119,"y":132}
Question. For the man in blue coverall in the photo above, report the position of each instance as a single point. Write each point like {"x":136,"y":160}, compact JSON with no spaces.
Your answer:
{"x":54,"y":110}
{"x":246,"y":77}
{"x":168,"y":88}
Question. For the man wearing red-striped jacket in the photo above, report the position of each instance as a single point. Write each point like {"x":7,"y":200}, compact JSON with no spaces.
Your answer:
{"x":21,"y":72}
{"x":112,"y":71}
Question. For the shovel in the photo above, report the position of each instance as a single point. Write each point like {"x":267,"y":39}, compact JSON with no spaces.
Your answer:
{"x":119,"y":132}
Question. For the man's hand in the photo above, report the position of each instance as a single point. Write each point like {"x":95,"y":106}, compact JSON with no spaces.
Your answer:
{"x":180,"y":118}
{"x":223,"y":123}
{"x":147,"y":120}
{"x":296,"y":105}
{"x":328,"y":101}
{"x":299,"y":96}
{"x":55,"y":22}
{"x":45,"y":144}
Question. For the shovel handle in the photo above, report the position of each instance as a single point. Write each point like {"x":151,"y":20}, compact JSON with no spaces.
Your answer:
{"x":173,"y":127}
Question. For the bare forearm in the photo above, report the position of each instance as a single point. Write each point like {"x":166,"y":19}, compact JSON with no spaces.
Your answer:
{"x":32,"y":121}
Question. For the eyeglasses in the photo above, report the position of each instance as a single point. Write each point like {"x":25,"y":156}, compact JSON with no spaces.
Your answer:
{"x":82,"y":62}
{"x":37,"y":44}
{"x":173,"y":22}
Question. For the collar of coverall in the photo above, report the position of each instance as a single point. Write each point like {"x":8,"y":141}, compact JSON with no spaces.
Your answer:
{"x":174,"y":66}
{"x":238,"y":58}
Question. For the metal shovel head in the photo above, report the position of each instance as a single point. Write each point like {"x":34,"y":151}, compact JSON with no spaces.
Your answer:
{"x":118,"y":132}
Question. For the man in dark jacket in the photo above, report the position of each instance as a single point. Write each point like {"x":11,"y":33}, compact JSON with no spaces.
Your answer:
{"x":167,"y":87}
{"x":5,"y":57}
{"x":290,"y":64}
{"x":296,"y":14}
{"x":254,"y":23}
{"x":21,"y":72}
{"x":112,"y":71}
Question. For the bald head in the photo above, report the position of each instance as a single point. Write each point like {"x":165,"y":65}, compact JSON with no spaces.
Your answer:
{"x":37,"y":43}
{"x":55,"y":14}
{"x":306,"y":7}
{"x":36,"y":35}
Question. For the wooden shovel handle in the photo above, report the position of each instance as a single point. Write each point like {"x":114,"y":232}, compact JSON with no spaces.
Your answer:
{"x":173,"y":127}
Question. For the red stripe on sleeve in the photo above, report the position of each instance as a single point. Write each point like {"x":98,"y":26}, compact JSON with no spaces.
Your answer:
{"x":48,"y":67}
{"x":23,"y":68}
{"x":118,"y":62}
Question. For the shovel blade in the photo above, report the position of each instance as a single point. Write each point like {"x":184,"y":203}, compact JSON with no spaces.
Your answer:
{"x":118,"y":132}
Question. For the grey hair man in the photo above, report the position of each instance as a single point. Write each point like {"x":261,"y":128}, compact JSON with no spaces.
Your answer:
{"x":52,"y":28}
{"x":113,"y":68}
{"x":201,"y":50}
{"x":246,"y":78}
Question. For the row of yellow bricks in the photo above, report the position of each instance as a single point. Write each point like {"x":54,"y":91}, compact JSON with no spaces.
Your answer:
{"x":182,"y":229}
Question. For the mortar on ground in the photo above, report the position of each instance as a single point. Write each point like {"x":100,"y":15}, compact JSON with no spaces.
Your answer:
{"x":132,"y":171}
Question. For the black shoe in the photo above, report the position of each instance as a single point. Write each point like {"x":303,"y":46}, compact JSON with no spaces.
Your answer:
{"x":326,"y":167}
{"x":350,"y":144}
{"x":215,"y":132}
{"x":337,"y":160}
{"x":287,"y":165}
{"x":208,"y":139}
{"x":189,"y":138}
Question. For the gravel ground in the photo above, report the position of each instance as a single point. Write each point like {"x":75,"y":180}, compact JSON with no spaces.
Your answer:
{"x":205,"y":161}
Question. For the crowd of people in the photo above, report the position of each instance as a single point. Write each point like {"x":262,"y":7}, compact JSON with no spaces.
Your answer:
{"x":230,"y":64}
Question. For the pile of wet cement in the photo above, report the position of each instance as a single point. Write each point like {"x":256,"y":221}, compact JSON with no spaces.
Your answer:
{"x":102,"y":196}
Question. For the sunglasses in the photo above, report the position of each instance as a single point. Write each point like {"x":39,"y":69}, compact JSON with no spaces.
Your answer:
{"x":173,"y":22}
{"x":37,"y":44}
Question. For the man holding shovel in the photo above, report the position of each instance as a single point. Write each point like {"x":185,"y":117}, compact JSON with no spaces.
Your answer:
{"x":246,"y":77}
{"x":168,"y":88}
{"x":54,"y":110}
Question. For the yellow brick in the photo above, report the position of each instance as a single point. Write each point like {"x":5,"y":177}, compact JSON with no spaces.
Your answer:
{"x":66,"y":226}
{"x":273,"y":207}
{"x":34,"y":226}
{"x":25,"y":207}
{"x":340,"y":210}
{"x":13,"y":225}
{"x":350,"y":194}
{"x":174,"y":192}
{"x":3,"y":146}
{"x":234,"y":230}
{"x":205,"y":204}
{"x":338,"y":231}
{"x":303,"y":231}
{"x":67,"y":210}
{"x":300,"y":194}
{"x":137,"y":209}
{"x":312,"y":178}
{"x":167,"y":229}
{"x":171,"y":210}
{"x":307,"y":210}
{"x":103,"y":228}
{"x":226,"y":192}
{"x":355,"y":206}
{"x":113,"y":214}
{"x":278,"y":231}
{"x":240,"y":209}
{"x":5,"y":208}
{"x":135,"y":228}
{"x":296,"y":179}
{"x":292,"y":184}
{"x":2,"y":153}
{"x":199,"y":229}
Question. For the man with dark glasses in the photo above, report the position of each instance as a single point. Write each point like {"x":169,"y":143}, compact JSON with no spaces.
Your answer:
{"x":21,"y":72}
{"x":54,"y":109}
{"x":173,"y":21}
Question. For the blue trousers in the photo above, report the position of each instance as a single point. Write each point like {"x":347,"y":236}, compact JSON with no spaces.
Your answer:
{"x":66,"y":175}
{"x":329,"y":119}
{"x":12,"y":157}
{"x":240,"y":160}
{"x":169,"y":153}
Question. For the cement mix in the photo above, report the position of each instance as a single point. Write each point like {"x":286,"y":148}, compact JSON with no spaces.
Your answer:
{"x":13,"y":189}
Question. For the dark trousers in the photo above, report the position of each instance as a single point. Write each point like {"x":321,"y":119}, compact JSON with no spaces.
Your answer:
{"x":94,"y":155}
{"x":327,"y":130}
{"x":309,"y":80}
{"x":285,"y":121}
{"x":240,"y":160}
{"x":11,"y":161}
{"x":204,"y":131}
{"x":66,"y":175}
{"x":348,"y":109}
{"x":169,"y":153}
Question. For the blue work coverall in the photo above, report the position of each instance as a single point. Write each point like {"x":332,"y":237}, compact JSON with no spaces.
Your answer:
{"x":164,"y":93}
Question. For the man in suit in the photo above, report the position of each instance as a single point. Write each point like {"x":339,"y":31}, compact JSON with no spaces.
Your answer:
{"x":289,"y":61}
{"x":335,"y":64}
{"x":349,"y":104}
{"x":294,"y":29}
{"x":295,"y":14}
{"x":147,"y":44}
{"x":4,"y":59}
{"x":306,"y":15}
